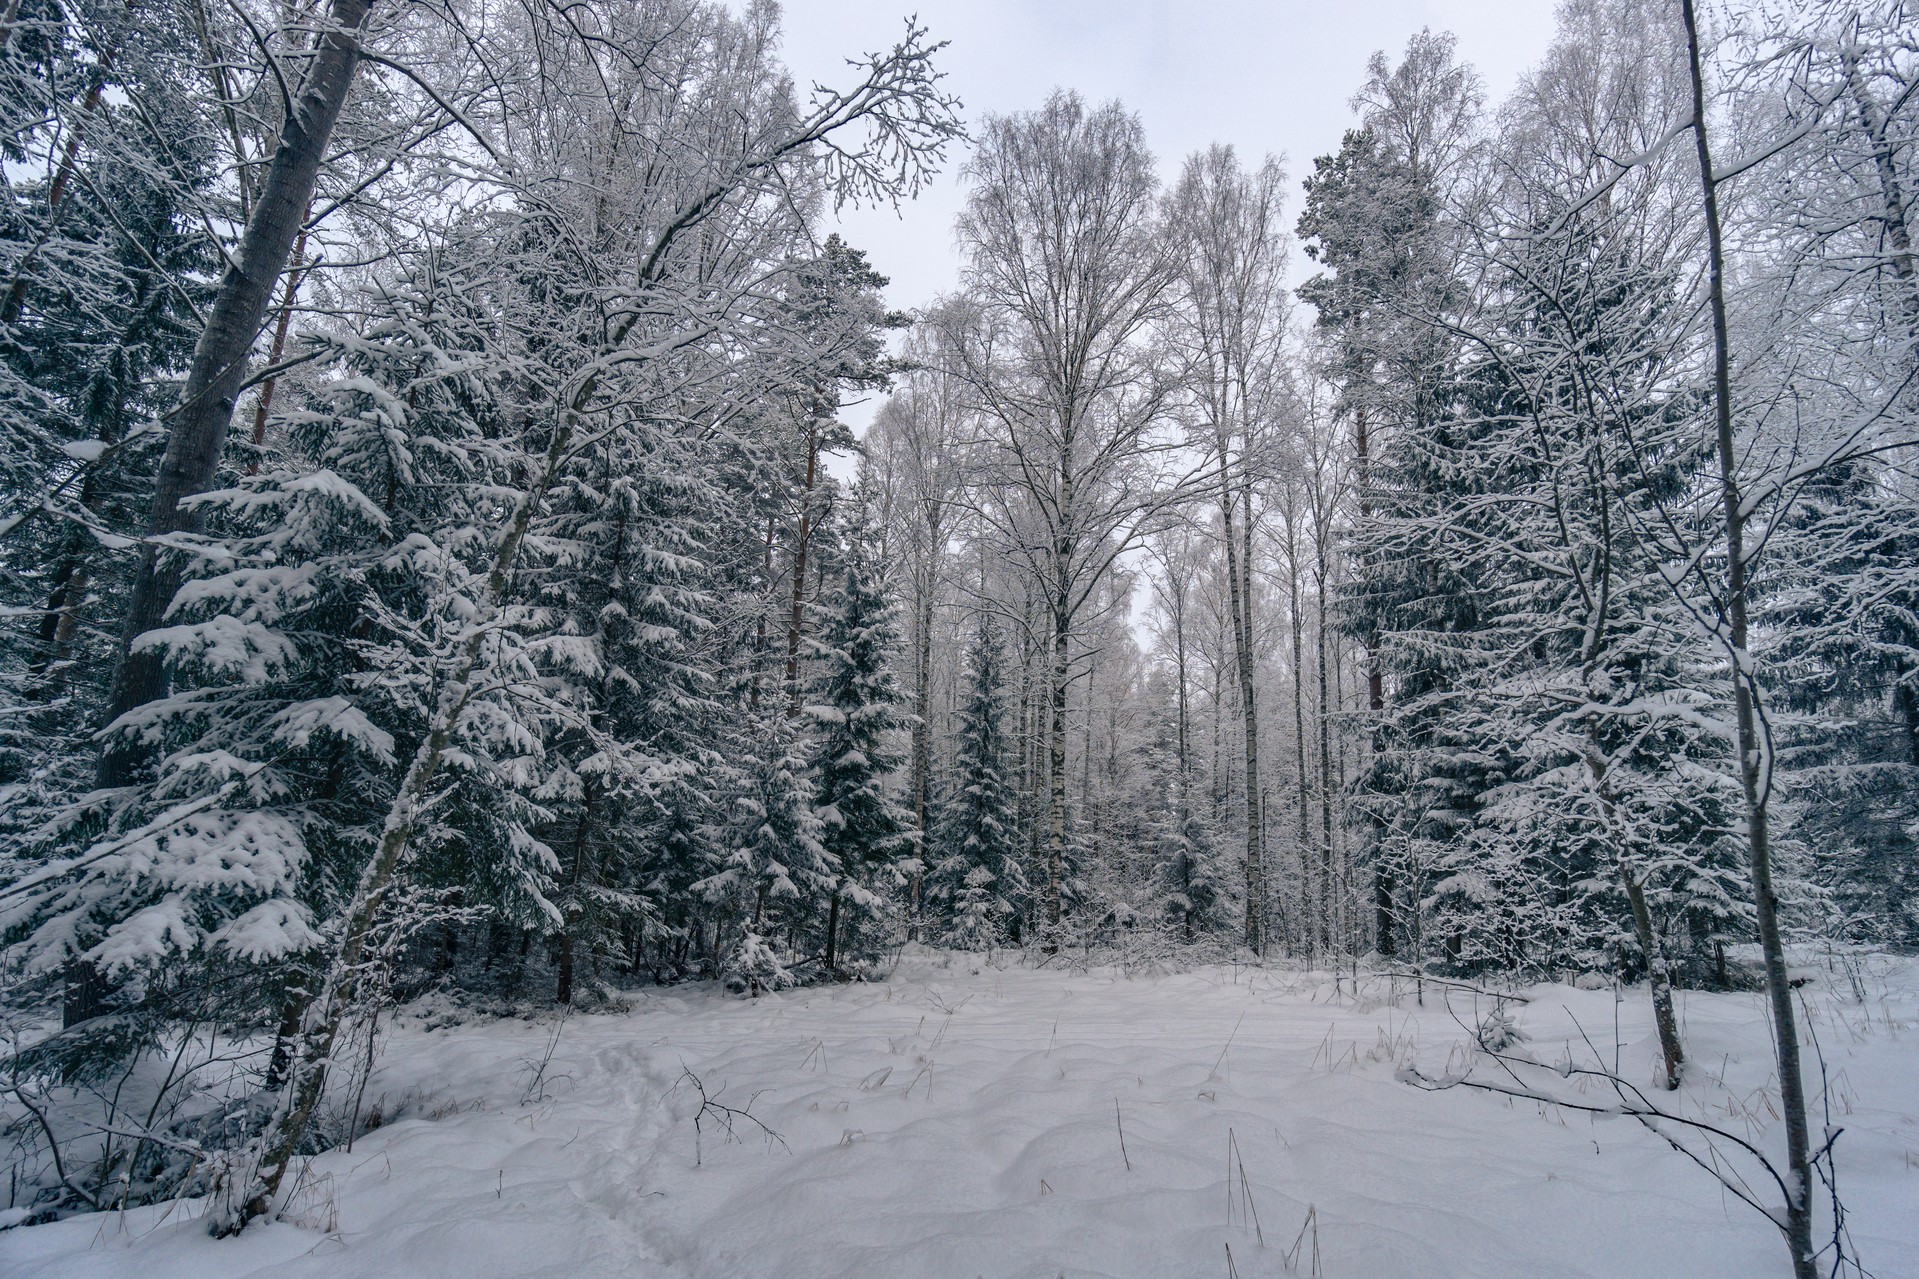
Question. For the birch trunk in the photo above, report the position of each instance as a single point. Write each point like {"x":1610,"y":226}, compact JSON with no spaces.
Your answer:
{"x":1749,"y":735}
{"x":218,"y":369}
{"x":1658,"y":977}
{"x":1323,"y":645}
{"x":321,"y":1019}
{"x":1057,"y":672}
{"x":1295,"y":625}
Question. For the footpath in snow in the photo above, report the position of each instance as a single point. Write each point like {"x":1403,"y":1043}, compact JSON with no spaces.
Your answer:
{"x":966,"y":1120}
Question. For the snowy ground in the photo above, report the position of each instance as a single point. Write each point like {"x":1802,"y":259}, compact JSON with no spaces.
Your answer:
{"x":959,"y":1120}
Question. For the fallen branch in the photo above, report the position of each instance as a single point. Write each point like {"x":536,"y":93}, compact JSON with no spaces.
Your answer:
{"x":1456,"y":985}
{"x":1630,"y":1101}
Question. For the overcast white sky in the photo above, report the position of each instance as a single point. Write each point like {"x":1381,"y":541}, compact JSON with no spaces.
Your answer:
{"x":1268,"y":76}
{"x":1265,"y":75}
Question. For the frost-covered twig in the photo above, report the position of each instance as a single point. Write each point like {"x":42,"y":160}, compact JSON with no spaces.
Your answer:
{"x":726,"y":1117}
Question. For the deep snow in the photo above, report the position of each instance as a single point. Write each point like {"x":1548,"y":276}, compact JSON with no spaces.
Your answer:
{"x":960,"y":1120}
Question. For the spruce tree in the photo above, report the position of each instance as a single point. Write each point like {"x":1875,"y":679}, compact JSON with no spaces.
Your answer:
{"x":978,"y":879}
{"x":869,"y":838}
{"x":1840,"y":605}
{"x":774,"y":869}
{"x":303,"y":650}
{"x":107,"y":255}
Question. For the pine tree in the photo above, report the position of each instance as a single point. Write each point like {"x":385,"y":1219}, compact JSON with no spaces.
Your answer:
{"x":1841,"y":605}
{"x":1373,"y":220}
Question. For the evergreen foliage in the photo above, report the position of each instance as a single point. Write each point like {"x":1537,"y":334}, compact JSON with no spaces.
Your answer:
{"x":977,"y":879}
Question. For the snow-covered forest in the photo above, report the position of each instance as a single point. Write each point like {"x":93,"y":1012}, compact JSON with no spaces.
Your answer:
{"x":490,"y":584}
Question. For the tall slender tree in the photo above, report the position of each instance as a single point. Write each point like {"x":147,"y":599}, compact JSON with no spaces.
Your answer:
{"x":1229,"y":324}
{"x":1066,"y":273}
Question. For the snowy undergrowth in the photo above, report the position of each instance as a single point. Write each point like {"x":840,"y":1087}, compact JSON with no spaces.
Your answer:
{"x":965,"y":1120}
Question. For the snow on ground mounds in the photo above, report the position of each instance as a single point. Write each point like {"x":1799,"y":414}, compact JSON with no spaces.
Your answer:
{"x":959,"y":1120}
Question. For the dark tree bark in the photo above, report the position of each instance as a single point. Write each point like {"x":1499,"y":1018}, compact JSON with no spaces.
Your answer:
{"x":264,"y":409}
{"x":831,"y":957}
{"x":796,"y":621}
{"x":1384,"y":910}
{"x":1239,"y":601}
{"x":1183,"y":744}
{"x":1297,"y":629}
{"x":924,"y":585}
{"x":576,"y":882}
{"x":924,"y":581}
{"x":1324,"y":646}
{"x":1055,"y":711}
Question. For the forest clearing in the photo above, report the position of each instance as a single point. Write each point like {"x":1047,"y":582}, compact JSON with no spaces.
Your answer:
{"x":861,"y":590}
{"x":972,"y":1116}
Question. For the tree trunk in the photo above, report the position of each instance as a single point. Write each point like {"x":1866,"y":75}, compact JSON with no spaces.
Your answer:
{"x":1299,"y":687}
{"x":283,"y":1040}
{"x":1033,"y":708}
{"x":833,"y":933}
{"x":1658,"y":977}
{"x":1898,"y":232}
{"x":1754,"y":761}
{"x":7,"y":21}
{"x":759,"y":626}
{"x":1238,"y":593}
{"x":1385,"y":922}
{"x":1182,"y":705}
{"x":264,"y":408}
{"x":55,"y":632}
{"x":324,"y":1013}
{"x":1183,"y":763}
{"x":83,"y":994}
{"x":1091,"y":817}
{"x":1898,"y":229}
{"x":797,"y":620}
{"x":219,"y":365}
{"x":1056,"y":769}
{"x":1217,"y":781}
{"x":923,"y":706}
{"x":1325,"y":759}
{"x":1672,"y":1049}
{"x":576,"y":877}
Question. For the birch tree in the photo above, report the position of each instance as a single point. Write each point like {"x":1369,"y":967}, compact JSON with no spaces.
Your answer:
{"x":1229,"y":324}
{"x":1066,"y":271}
